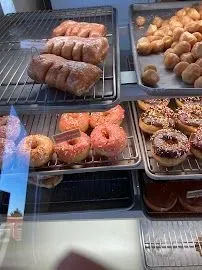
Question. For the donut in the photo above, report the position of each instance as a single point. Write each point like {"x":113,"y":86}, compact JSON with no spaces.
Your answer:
{"x":10,"y":127}
{"x":7,"y":152}
{"x":188,"y":100}
{"x":169,"y":147}
{"x":46,"y":181}
{"x":189,"y":118}
{"x":160,"y":197}
{"x":36,"y":149}
{"x":74,"y":150}
{"x":150,"y":77}
{"x":149,"y":103}
{"x":108,"y":140}
{"x":69,"y":121}
{"x":156,"y":118}
{"x":112,"y":116}
{"x":191,"y":204}
{"x":195,"y":141}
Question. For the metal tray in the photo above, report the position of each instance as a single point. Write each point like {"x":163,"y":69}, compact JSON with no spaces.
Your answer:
{"x":47,"y":124}
{"x":18,"y":89}
{"x":176,"y":213}
{"x":169,"y":84}
{"x":190,"y":169}
{"x":81,"y":192}
{"x":171,"y":245}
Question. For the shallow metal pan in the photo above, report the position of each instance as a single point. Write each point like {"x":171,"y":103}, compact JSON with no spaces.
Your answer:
{"x":169,"y":84}
{"x":190,"y":169}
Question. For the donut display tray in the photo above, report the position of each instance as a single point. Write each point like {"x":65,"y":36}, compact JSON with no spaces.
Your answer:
{"x":169,"y":84}
{"x":47,"y":124}
{"x":191,"y":168}
{"x":21,"y":35}
{"x":172,"y":245}
{"x":178,"y":211}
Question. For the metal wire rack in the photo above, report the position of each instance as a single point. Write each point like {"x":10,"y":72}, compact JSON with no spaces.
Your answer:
{"x":79,"y":192}
{"x":172,"y":244}
{"x":18,"y":89}
{"x":47,"y":124}
{"x":190,"y":169}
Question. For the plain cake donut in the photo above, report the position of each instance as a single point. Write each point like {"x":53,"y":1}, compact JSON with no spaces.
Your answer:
{"x":169,"y":147}
{"x":75,"y":150}
{"x":37,"y":149}
{"x":108,"y":140}
{"x":70,"y":121}
{"x":112,"y":116}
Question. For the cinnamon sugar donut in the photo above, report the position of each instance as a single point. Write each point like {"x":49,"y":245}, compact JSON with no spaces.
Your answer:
{"x":196,"y":143}
{"x":189,"y":118}
{"x":156,"y":118}
{"x":169,"y":147}
{"x":112,"y":116}
{"x":10,"y":127}
{"x":7,"y":152}
{"x":108,"y":140}
{"x":188,"y":100}
{"x":69,"y":121}
{"x":149,"y":103}
{"x":36,"y":149}
{"x":74,"y":150}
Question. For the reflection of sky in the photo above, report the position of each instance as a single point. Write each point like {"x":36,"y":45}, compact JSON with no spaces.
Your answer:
{"x":15,"y":184}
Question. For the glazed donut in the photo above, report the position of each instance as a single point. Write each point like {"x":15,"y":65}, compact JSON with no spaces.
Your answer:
{"x":7,"y":152}
{"x":169,"y":147}
{"x":188,"y":100}
{"x":112,"y":116}
{"x":189,"y":118}
{"x":74,"y":150}
{"x":149,"y":103}
{"x":69,"y":121}
{"x":36,"y":149}
{"x":46,"y":181}
{"x":156,"y":118}
{"x":108,"y":140}
{"x":10,"y":127}
{"x":196,"y":143}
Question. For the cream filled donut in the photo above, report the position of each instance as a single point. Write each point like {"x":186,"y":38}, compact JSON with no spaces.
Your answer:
{"x":112,"y":116}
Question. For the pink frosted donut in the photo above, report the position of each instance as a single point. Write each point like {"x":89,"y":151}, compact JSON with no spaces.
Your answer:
{"x":74,"y":150}
{"x":7,"y":152}
{"x":108,"y":140}
{"x":112,"y":116}
{"x":9,"y":127}
{"x":69,"y":121}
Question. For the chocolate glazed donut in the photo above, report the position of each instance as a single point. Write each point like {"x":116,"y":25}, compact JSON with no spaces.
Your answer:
{"x":196,"y":143}
{"x":169,"y":147}
{"x":149,"y":103}
{"x":189,"y":118}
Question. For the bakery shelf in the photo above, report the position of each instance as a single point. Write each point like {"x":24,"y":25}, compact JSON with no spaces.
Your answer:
{"x":169,"y":85}
{"x":190,"y":169}
{"x":47,"y":124}
{"x":171,"y":245}
{"x":30,"y":28}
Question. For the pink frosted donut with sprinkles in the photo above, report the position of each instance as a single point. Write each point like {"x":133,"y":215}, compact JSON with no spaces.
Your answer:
{"x":75,"y":150}
{"x":112,"y":116}
{"x":108,"y":140}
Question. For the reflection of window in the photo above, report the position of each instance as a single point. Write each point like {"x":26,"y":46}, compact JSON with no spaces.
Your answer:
{"x":14,"y":173}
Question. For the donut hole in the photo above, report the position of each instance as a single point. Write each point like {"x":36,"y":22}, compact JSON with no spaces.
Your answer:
{"x":170,"y":140}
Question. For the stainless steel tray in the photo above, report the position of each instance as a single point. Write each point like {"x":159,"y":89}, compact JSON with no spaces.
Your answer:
{"x":16,"y":88}
{"x":46,"y":123}
{"x":190,"y":169}
{"x":169,"y":84}
{"x":171,"y":244}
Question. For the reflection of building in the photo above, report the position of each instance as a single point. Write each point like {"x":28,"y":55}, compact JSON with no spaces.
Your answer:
{"x":15,"y":225}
